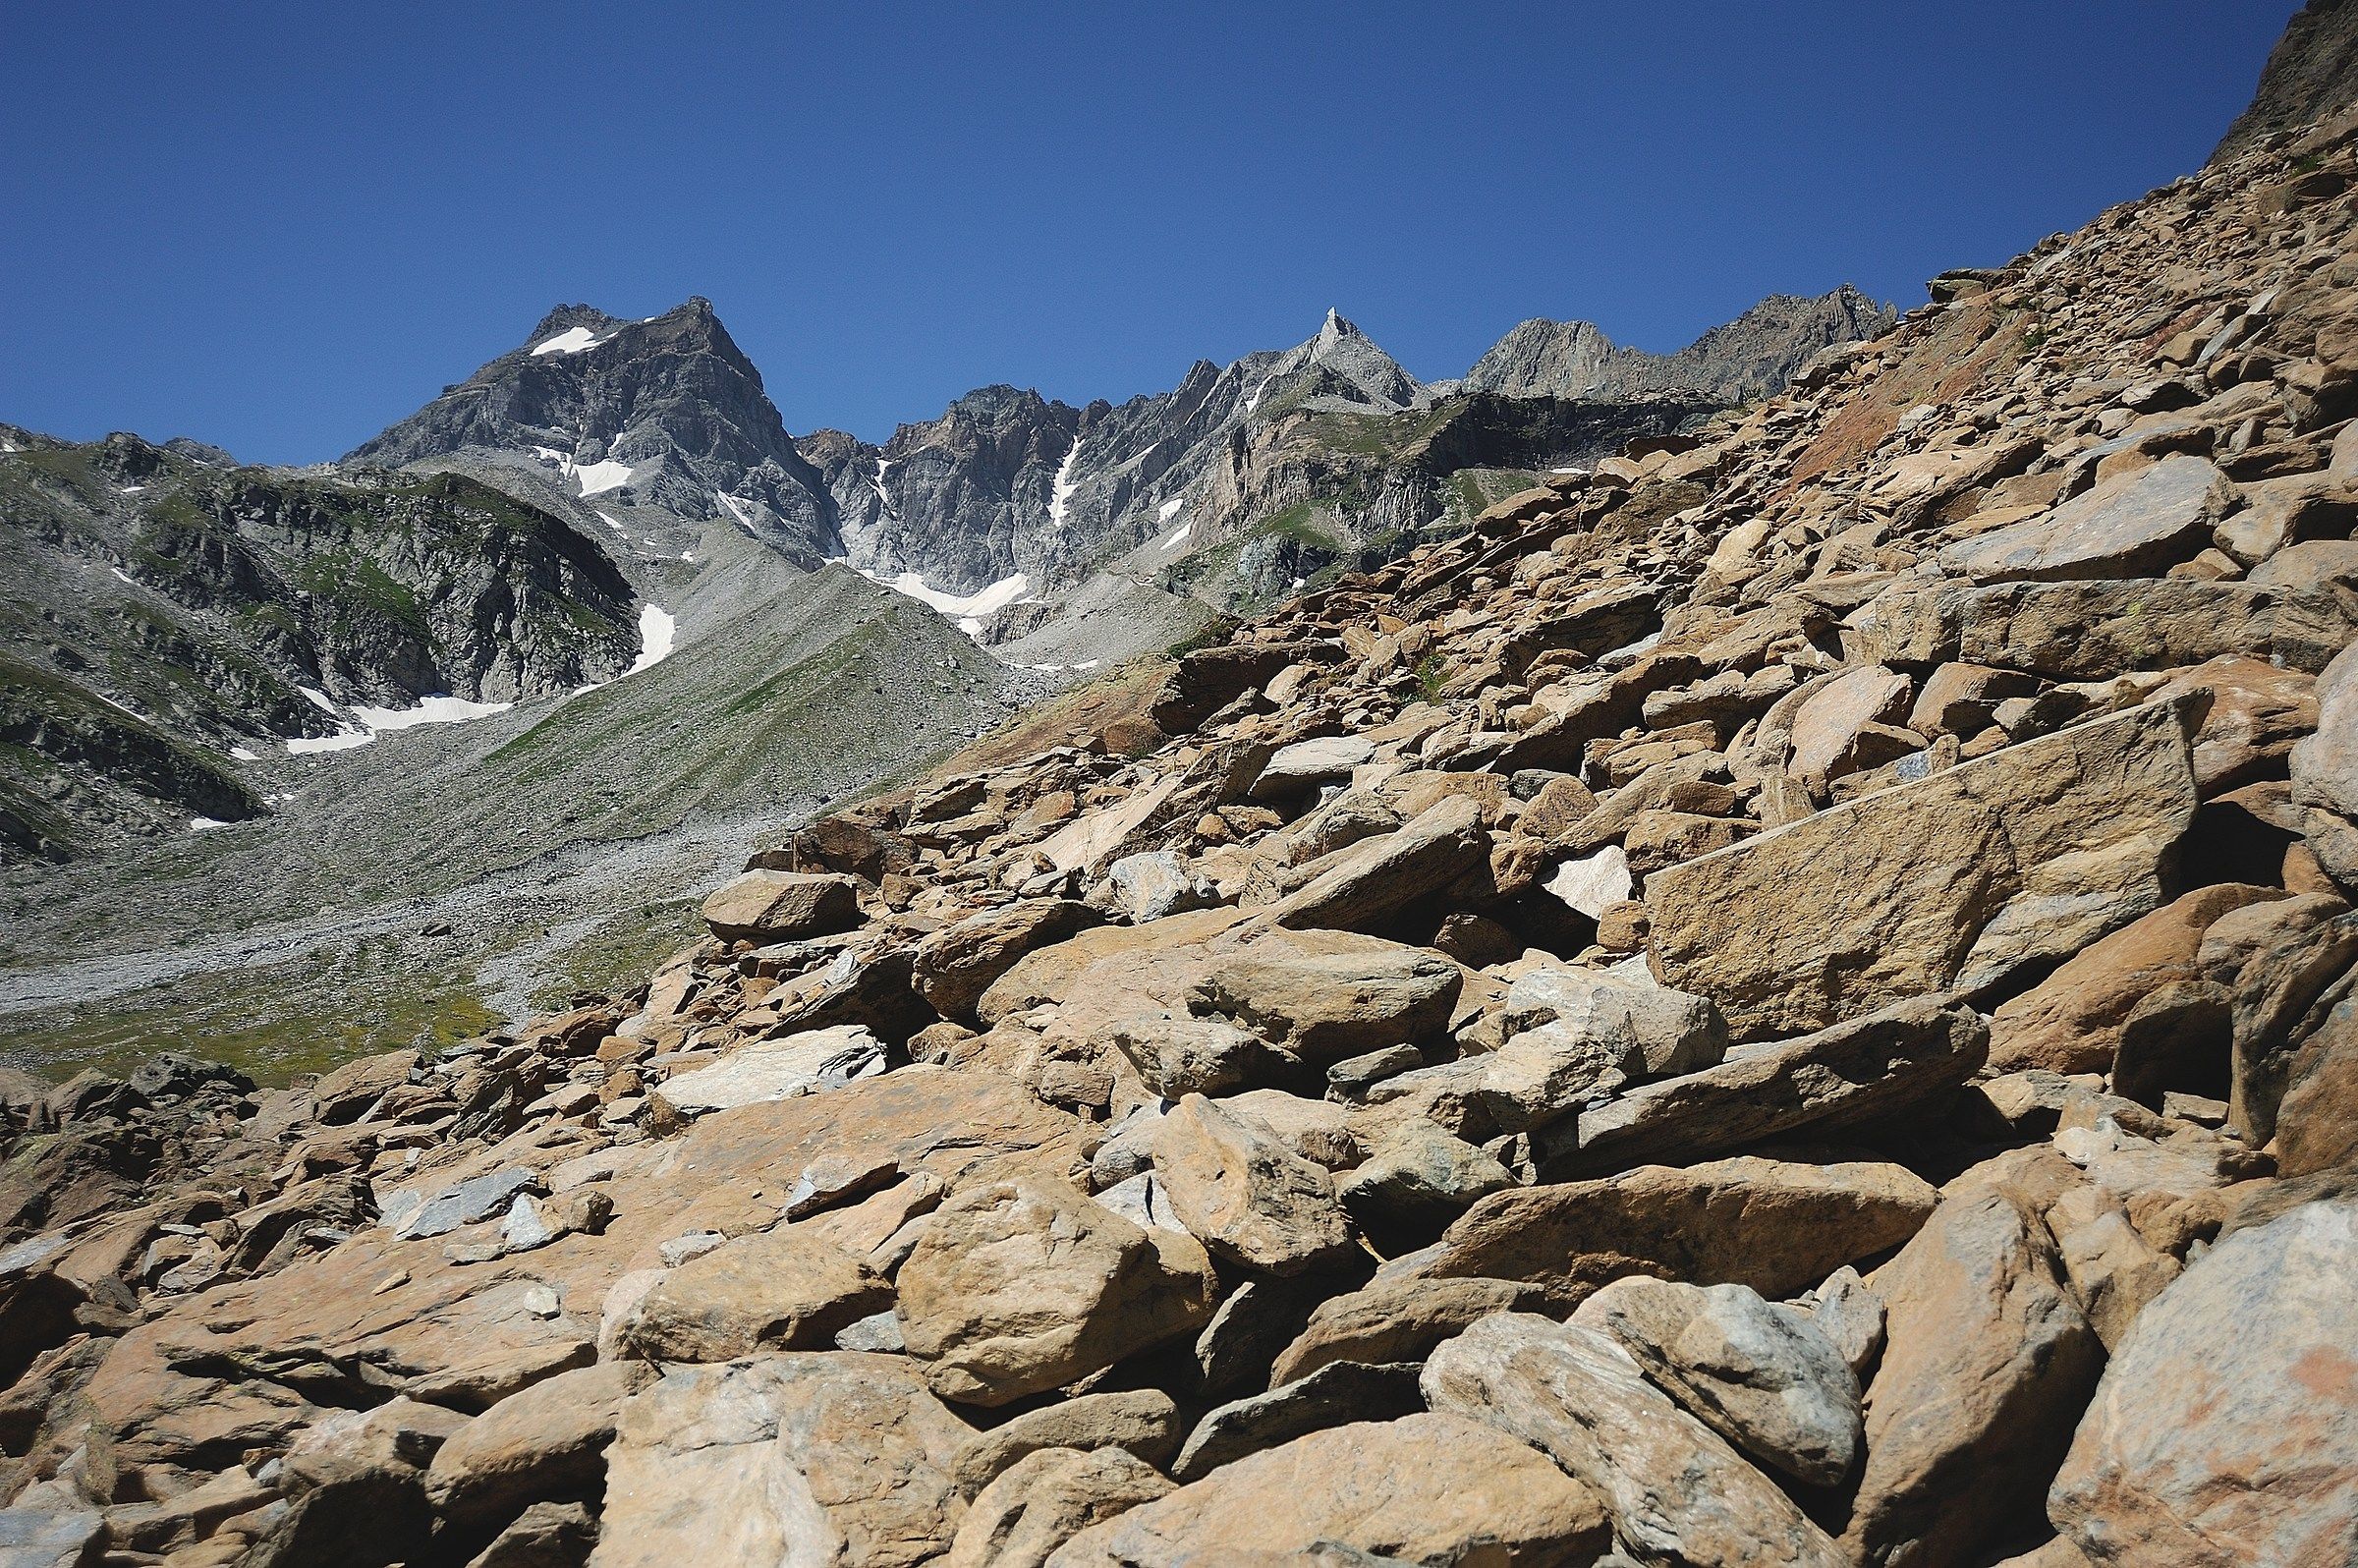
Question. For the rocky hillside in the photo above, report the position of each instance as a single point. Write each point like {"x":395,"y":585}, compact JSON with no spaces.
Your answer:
{"x":1787,"y":999}
{"x":170,"y":617}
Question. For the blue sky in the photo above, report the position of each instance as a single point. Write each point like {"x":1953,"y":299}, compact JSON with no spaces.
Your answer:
{"x":282,"y":227}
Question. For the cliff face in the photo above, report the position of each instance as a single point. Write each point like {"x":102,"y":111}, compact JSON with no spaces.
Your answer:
{"x":2311,"y":74}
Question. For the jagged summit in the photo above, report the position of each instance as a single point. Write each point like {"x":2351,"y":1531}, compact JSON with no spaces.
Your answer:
{"x":1747,"y":358}
{"x":665,"y":412}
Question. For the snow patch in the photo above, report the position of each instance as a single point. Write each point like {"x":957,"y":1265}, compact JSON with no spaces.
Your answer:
{"x":658,"y":631}
{"x":742,"y":510}
{"x":611,"y":521}
{"x":1060,"y":494}
{"x":122,"y":575}
{"x":1178,"y":535}
{"x":884,"y":466}
{"x":429,"y":710}
{"x":318,"y":699}
{"x":133,"y":489}
{"x":1253,"y":398}
{"x":243,"y":755}
{"x":998,"y":595}
{"x":598,"y":478}
{"x":572,"y":340}
{"x":204,"y":824}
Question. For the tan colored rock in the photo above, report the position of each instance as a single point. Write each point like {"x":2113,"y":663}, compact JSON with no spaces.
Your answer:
{"x":2133,"y":525}
{"x":1987,"y":1365}
{"x":2317,"y":1122}
{"x":1016,"y":1287}
{"x":838,"y":1457}
{"x":1674,"y":1489}
{"x":1855,"y":1072}
{"x":1778,"y":1226}
{"x":1145,"y":1421}
{"x":956,"y":965}
{"x":2072,"y":1021}
{"x":1045,"y":1499}
{"x":1949,"y":883}
{"x":1377,"y":878}
{"x":545,"y":1445}
{"x":2255,"y":714}
{"x":1827,"y":724}
{"x":1399,"y":1321}
{"x":782,"y":907}
{"x":2325,"y":766}
{"x":2225,"y":1430}
{"x":1245,"y":1195}
{"x":784,"y":1289}
{"x":1432,"y":1488}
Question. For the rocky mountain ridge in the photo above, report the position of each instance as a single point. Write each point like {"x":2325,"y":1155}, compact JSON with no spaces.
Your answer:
{"x":1746,"y":359}
{"x":1784,"y":1000}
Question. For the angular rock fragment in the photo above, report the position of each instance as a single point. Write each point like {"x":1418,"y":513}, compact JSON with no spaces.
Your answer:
{"x":1016,"y":1287}
{"x":1949,"y":883}
{"x":1675,"y":1490}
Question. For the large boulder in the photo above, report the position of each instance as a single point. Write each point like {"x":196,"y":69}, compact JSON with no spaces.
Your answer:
{"x":1949,"y":883}
{"x":1245,"y":1195}
{"x":545,"y":1445}
{"x":784,"y":1289}
{"x":1778,"y":1226}
{"x":794,"y":1458}
{"x":1855,"y":1072}
{"x":803,"y":1063}
{"x":783,"y":906}
{"x":1374,"y":881}
{"x":1020,"y":1286}
{"x":2325,"y":766}
{"x":1427,"y":1488}
{"x":1045,"y":1499}
{"x":1676,"y":1492}
{"x":2132,"y":525}
{"x":954,"y":966}
{"x":2074,"y":1020}
{"x":1762,"y":1377}
{"x":1986,"y":1362}
{"x":2226,"y":1429}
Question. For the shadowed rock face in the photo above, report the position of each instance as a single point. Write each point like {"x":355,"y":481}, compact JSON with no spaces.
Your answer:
{"x":671,"y":403}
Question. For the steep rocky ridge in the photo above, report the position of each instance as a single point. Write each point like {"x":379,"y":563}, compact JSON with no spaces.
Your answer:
{"x":2310,"y":75}
{"x":1783,"y":999}
{"x":1748,"y":357}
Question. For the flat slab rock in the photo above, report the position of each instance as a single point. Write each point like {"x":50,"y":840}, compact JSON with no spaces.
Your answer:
{"x":1949,"y":883}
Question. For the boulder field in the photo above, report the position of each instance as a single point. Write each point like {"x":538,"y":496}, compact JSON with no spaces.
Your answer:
{"x":1788,"y":999}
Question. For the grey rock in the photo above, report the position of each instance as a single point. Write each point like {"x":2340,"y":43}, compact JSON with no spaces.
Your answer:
{"x":1768,"y":1382}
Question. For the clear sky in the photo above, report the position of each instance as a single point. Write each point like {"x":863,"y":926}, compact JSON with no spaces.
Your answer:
{"x":282,"y":227}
